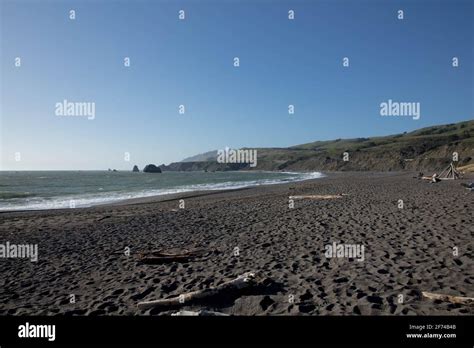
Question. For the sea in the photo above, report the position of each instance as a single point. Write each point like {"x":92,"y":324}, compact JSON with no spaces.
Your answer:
{"x":40,"y":190}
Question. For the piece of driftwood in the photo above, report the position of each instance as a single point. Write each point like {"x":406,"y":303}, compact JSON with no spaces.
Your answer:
{"x":166,"y":256}
{"x":449,"y":298}
{"x":318,"y":196}
{"x":434,"y":178}
{"x":201,"y":313}
{"x":244,"y":281}
{"x":450,"y":173}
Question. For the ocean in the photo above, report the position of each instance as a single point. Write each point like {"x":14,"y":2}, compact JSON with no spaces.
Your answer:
{"x":35,"y":190}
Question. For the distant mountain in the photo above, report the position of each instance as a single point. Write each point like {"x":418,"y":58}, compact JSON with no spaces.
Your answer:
{"x":203,"y":157}
{"x":428,"y":148}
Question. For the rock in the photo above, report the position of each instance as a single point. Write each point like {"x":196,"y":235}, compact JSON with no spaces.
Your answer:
{"x":151,"y":168}
{"x":135,"y":169}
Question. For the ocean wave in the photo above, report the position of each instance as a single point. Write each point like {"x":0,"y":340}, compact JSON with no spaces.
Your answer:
{"x":88,"y":200}
{"x":11,"y":195}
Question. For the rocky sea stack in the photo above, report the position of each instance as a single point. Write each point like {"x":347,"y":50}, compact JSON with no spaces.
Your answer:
{"x":135,"y":169}
{"x":151,"y":168}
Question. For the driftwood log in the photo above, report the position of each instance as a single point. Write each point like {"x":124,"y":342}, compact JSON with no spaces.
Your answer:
{"x":449,"y":298}
{"x":162,"y":256}
{"x":246,"y":280}
{"x":434,"y":178}
{"x":317,"y":196}
{"x":201,"y":313}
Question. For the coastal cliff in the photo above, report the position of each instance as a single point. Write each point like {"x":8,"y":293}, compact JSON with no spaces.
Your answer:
{"x":426,"y":149}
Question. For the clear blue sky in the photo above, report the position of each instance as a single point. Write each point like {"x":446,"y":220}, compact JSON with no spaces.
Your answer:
{"x":190,"y":62}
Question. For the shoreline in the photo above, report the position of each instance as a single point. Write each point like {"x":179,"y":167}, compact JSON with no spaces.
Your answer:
{"x":197,"y":193}
{"x":178,"y":195}
{"x":133,"y":201}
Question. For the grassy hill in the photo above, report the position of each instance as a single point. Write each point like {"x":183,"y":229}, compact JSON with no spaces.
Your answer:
{"x":428,"y":148}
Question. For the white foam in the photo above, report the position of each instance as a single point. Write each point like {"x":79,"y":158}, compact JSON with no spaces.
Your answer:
{"x":88,"y":200}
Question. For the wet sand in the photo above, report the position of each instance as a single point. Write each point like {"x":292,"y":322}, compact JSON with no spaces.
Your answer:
{"x":406,"y":251}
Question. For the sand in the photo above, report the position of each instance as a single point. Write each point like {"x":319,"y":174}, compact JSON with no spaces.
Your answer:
{"x":407,"y":251}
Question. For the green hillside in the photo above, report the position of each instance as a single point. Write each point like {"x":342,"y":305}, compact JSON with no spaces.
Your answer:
{"x":428,"y":148}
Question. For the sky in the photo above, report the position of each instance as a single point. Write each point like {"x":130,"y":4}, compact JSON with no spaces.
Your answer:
{"x":190,"y":62}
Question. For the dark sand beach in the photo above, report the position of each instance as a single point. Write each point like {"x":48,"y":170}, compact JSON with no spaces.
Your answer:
{"x":409,"y":250}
